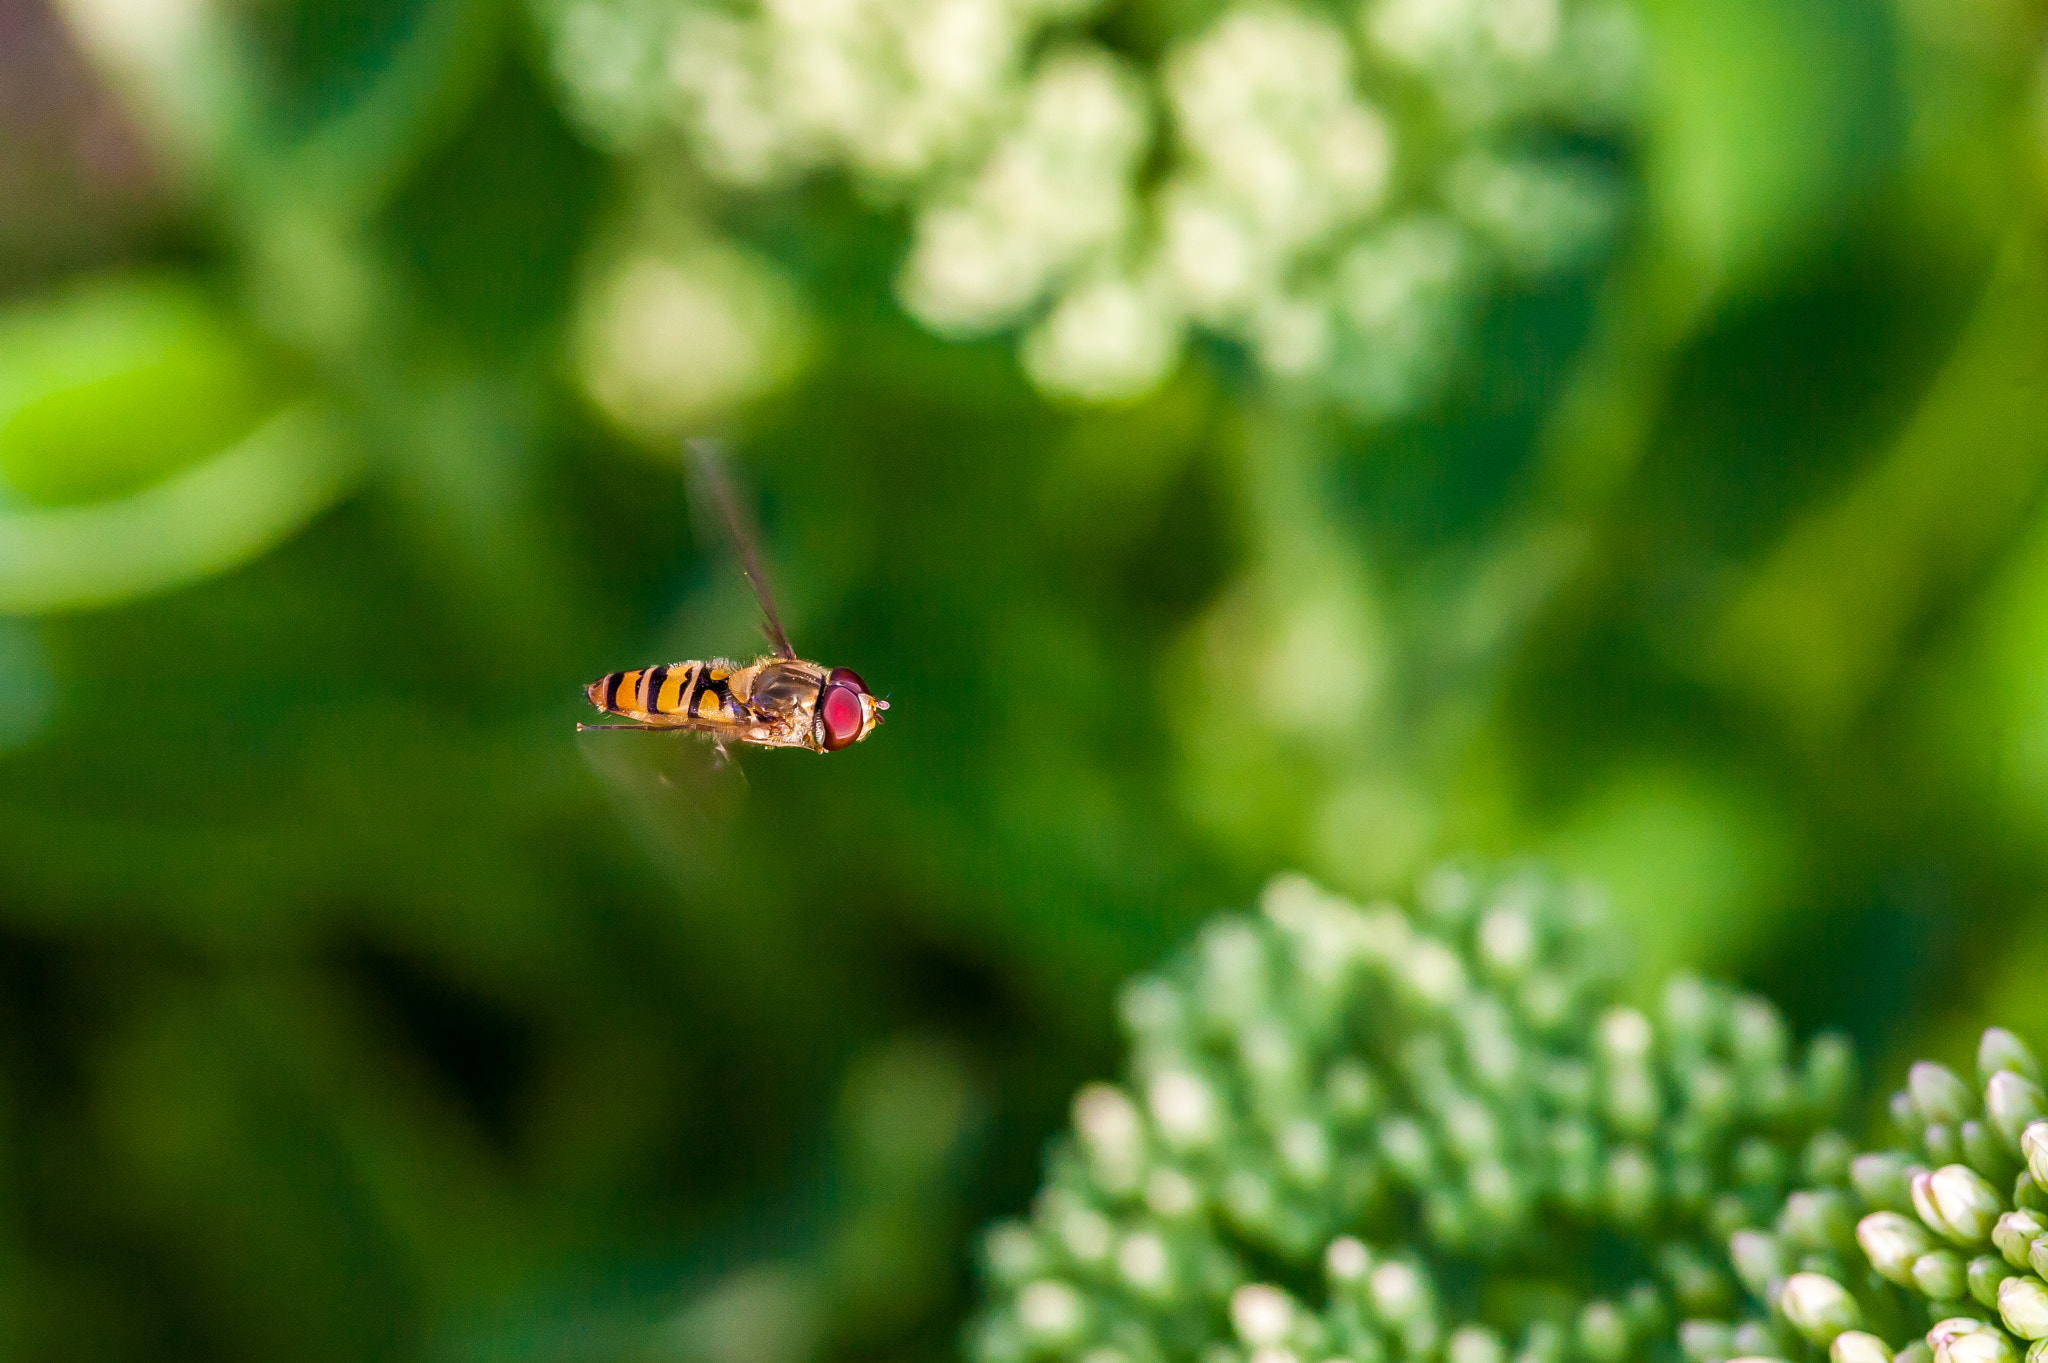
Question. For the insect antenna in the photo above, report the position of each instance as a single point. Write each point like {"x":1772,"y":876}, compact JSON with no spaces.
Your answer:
{"x":707,"y":463}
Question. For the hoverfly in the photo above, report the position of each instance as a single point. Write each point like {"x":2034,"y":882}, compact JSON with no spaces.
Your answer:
{"x":776,"y":701}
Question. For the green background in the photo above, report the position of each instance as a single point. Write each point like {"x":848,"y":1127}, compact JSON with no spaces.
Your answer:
{"x":352,"y":1006}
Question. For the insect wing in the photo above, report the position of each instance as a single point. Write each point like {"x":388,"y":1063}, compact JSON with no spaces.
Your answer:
{"x":707,"y":462}
{"x":681,"y":798}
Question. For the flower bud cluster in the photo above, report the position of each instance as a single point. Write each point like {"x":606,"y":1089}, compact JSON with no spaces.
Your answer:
{"x":1949,"y":1261}
{"x":1331,"y":188}
{"x":1371,"y":1102}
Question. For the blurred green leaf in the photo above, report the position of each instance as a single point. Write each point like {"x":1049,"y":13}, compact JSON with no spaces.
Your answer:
{"x":118,"y":382}
{"x":1768,"y":118}
{"x":203,"y":520}
{"x":1821,"y":622}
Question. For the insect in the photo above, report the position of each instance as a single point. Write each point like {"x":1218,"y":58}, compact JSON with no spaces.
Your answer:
{"x":777,"y":701}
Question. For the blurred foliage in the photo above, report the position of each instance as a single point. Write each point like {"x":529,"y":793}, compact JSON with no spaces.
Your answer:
{"x":352,"y":1006}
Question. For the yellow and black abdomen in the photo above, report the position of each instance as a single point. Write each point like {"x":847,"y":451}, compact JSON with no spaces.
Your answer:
{"x":675,"y":694}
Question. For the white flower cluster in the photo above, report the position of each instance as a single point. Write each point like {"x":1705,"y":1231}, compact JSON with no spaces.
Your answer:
{"x":889,"y":88}
{"x":1331,"y":192}
{"x":1951,"y":1232}
{"x":1055,"y":191}
{"x":1310,"y":1089}
{"x":667,"y":339}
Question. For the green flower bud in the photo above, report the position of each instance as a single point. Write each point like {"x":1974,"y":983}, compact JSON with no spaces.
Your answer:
{"x":1939,"y":1094}
{"x":1758,"y":1339}
{"x":1728,"y":1214}
{"x":1692,"y":1186}
{"x":1602,"y":1333}
{"x":1942,"y":1144}
{"x":1304,"y":1150}
{"x":1543,"y":1342}
{"x":1475,"y":1344}
{"x":1350,"y":1091}
{"x":1905,"y":1116}
{"x":1984,"y":1274}
{"x":1854,"y":1346}
{"x":1184,"y":1108}
{"x":1113,"y":1135}
{"x":1757,"y":1034}
{"x":1400,"y":1295}
{"x":2034,"y":1145}
{"x":1826,"y":1158}
{"x":1431,"y":976}
{"x":1447,"y":1216}
{"x":1544,"y":1002}
{"x":1771,"y":1093}
{"x":1624,"y":1037}
{"x":1231,"y":979}
{"x":1955,"y":1201}
{"x":1819,"y":1308}
{"x":1262,"y":1315}
{"x":2023,"y":1303}
{"x":1892,"y":1242}
{"x":1405,"y":1145}
{"x":1508,"y":942}
{"x":1759,"y":1260}
{"x":1086,"y":1234}
{"x":2013,"y":1102}
{"x":1710,"y":1092}
{"x":1632,"y":1100}
{"x":1470,"y":1129}
{"x":1759,"y":1164}
{"x":2000,"y":1051}
{"x":1359,"y":1185}
{"x":1915,"y":1352}
{"x":1977,"y":1346}
{"x":1152,"y":1010}
{"x":1496,"y":1194}
{"x":1347,"y":1260}
{"x":1701,"y":1289}
{"x":2014,"y":1233}
{"x":2038,"y":1351}
{"x":1567,"y":1083}
{"x":1882,"y":1181}
{"x":1816,"y":1220}
{"x":1146,"y":1266}
{"x":1986,"y":1151}
{"x":1692,"y":1012}
{"x":1051,"y":1314}
{"x":1012,"y":1254}
{"x":1249,"y":1201}
{"x":1576,"y":1172}
{"x":1171,"y":1194}
{"x":1830,"y":1072}
{"x":1941,"y":1275}
{"x":1943,"y":1331}
{"x":1644,"y":1311}
{"x":1629,"y":1182}
{"x":2037,"y":1257}
{"x":1706,"y":1341}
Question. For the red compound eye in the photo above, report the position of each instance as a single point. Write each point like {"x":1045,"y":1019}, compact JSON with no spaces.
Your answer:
{"x":843,"y":713}
{"x":846,"y":674}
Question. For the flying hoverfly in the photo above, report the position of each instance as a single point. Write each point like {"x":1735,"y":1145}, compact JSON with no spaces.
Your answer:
{"x":777,"y":701}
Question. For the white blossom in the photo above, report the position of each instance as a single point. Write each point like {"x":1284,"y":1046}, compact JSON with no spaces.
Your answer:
{"x":1054,"y":193}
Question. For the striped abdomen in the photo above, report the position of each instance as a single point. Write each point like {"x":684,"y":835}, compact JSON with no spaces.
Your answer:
{"x":674,"y":694}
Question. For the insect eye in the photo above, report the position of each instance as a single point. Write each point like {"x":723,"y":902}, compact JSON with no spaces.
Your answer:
{"x":843,"y":712}
{"x":848,"y":676}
